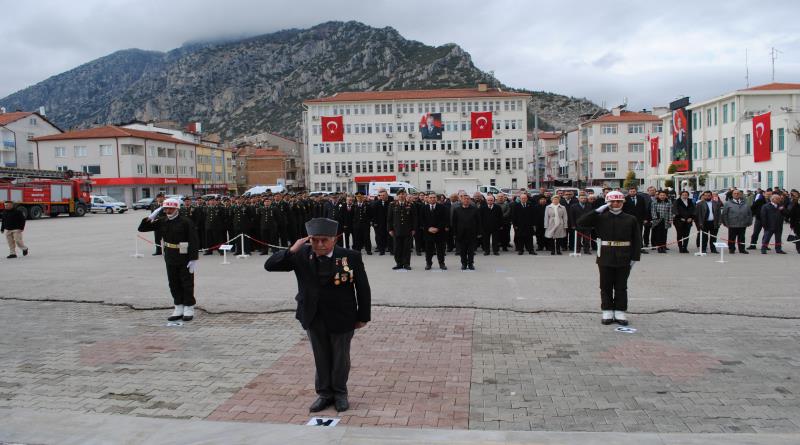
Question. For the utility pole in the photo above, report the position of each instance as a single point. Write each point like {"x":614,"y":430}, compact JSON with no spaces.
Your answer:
{"x":774,"y":55}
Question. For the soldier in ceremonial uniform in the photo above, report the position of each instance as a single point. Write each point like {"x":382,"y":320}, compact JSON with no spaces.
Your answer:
{"x":401,"y":221}
{"x":284,"y":220}
{"x":157,"y":203}
{"x":362,"y":217}
{"x":240,"y":225}
{"x":180,"y":254}
{"x":268,"y":224}
{"x":333,"y":300}
{"x":214,"y":225}
{"x":619,"y":246}
{"x":380,"y":213}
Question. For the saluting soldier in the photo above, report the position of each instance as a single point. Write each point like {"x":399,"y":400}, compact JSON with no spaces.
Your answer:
{"x":268,"y":223}
{"x":180,"y":255}
{"x":157,"y":203}
{"x":362,"y":218}
{"x":401,"y":222}
{"x":619,"y":246}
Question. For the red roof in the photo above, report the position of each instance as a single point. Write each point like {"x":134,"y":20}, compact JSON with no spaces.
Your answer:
{"x":267,"y":152}
{"x":775,"y":86}
{"x":112,"y":131}
{"x":7,"y":118}
{"x":454,"y":93}
{"x":549,"y":134}
{"x":627,"y":116}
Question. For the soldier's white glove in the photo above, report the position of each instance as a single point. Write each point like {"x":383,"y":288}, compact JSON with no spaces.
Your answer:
{"x":632,"y":263}
{"x":602,"y":208}
{"x":155,"y":213}
{"x":192,"y":266}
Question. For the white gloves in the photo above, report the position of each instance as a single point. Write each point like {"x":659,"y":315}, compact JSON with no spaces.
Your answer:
{"x":155,"y":213}
{"x":602,"y":208}
{"x":192,"y":266}
{"x":632,"y":263}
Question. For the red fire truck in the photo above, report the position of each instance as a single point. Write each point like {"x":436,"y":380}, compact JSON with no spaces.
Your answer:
{"x":45,"y":192}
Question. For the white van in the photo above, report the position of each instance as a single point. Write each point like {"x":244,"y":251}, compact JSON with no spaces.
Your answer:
{"x":107,"y":204}
{"x":391,"y":188}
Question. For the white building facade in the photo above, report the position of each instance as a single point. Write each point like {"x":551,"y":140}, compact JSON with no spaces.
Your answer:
{"x":17,"y":129}
{"x":126,"y":164}
{"x":383,"y":141}
{"x":722,"y":141}
{"x":613,"y":144}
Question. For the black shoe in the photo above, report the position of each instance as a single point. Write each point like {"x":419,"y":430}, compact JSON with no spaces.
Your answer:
{"x":320,"y":404}
{"x":381,"y":253}
{"x":780,"y":252}
{"x":369,"y":252}
{"x":505,"y":249}
{"x":208,"y":252}
{"x":463,"y":267}
{"x":397,"y":267}
{"x":442,"y":266}
{"x":558,"y":252}
{"x":13,"y":255}
{"x":470,"y":267}
{"x":427,"y":267}
{"x":407,"y":267}
{"x":552,"y":253}
{"x":532,"y":252}
{"x":744,"y":252}
{"x":622,"y":322}
{"x":497,"y":253}
{"x":763,"y":251}
{"x":520,"y":253}
{"x":606,"y":321}
{"x":341,"y":405}
{"x":157,"y":253}
{"x":751,"y":247}
{"x":419,"y":253}
{"x":24,"y":252}
{"x":714,"y":251}
{"x":732,"y":251}
{"x":644,"y":252}
{"x":264,"y":253}
{"x":486,"y":254}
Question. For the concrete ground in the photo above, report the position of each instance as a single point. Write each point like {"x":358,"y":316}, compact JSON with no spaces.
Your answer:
{"x":514,"y":349}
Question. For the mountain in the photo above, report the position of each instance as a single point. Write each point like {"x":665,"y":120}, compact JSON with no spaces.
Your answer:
{"x":257,"y":84}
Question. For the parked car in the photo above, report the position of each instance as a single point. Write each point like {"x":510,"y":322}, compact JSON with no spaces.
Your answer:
{"x":107,"y":204}
{"x":143,"y":203}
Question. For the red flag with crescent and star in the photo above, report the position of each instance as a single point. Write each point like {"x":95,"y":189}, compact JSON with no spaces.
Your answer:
{"x":761,"y":137}
{"x":654,"y":154}
{"x":332,"y":129}
{"x":482,"y":125}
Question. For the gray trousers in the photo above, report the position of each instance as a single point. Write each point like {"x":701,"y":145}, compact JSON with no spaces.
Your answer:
{"x":331,"y":358}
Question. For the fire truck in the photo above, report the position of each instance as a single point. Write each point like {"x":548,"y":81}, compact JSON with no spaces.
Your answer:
{"x":46,"y":192}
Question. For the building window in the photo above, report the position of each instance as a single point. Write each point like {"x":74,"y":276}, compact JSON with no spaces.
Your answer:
{"x":80,"y":152}
{"x":61,"y":152}
{"x":636,"y":148}
{"x":62,"y":168}
{"x":609,"y":169}
{"x":733,"y":111}
{"x":747,"y":144}
{"x":780,"y":178}
{"x":781,"y":141}
{"x":769,"y":179}
{"x":608,"y":148}
{"x":106,"y":150}
{"x":91,"y":169}
{"x":635,"y":165}
{"x":710,"y":147}
{"x":658,"y":128}
{"x":635,"y":128}
{"x":725,"y":113}
{"x":608,"y":129}
{"x":694,"y":150}
{"x":155,"y":169}
{"x":733,"y":146}
{"x":724,"y":147}
{"x":139,"y":169}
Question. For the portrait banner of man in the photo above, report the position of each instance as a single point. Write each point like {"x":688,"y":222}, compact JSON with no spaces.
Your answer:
{"x":430,"y":126}
{"x":681,"y":135}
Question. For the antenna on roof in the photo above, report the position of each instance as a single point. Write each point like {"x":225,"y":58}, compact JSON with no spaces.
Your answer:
{"x":774,"y":55}
{"x":746,"y":70}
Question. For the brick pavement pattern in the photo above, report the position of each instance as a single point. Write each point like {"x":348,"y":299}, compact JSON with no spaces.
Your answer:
{"x":410,"y":368}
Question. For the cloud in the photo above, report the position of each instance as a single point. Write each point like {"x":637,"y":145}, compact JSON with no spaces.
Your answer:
{"x":603,"y":51}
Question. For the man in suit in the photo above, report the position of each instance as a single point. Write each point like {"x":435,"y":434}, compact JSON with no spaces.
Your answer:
{"x":430,"y":130}
{"x":708,"y":217}
{"x":380,"y":212}
{"x":333,"y":300}
{"x":638,"y":206}
{"x":491,"y":221}
{"x":435,"y":224}
{"x":466,"y":226}
{"x":772,"y":215}
{"x":523,"y":218}
{"x":760,"y":199}
{"x":574,"y":212}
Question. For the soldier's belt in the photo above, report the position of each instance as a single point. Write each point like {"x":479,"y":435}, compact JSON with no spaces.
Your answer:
{"x":616,"y":243}
{"x":171,"y":246}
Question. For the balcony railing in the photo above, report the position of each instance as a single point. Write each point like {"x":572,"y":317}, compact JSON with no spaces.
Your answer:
{"x":610,"y":175}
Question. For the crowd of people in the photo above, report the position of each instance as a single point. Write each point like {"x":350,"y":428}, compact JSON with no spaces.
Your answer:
{"x":432,"y":225}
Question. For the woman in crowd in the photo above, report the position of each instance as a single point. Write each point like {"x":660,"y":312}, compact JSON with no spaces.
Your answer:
{"x":555,"y":225}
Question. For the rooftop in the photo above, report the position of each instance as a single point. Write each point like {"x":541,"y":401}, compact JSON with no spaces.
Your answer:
{"x":112,"y":131}
{"x":452,"y":93}
{"x":774,"y":86}
{"x":626,"y":116}
{"x":7,"y":118}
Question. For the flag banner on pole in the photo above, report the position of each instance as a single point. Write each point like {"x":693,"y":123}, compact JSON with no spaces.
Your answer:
{"x":761,"y":137}
{"x":481,"y":125}
{"x":654,"y":153}
{"x":332,"y":129}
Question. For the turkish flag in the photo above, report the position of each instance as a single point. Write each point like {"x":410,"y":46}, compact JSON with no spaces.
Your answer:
{"x":654,"y":153}
{"x":761,"y":137}
{"x":482,"y":125}
{"x":332,"y":129}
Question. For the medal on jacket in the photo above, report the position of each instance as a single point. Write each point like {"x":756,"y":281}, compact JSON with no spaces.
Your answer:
{"x":344,"y":263}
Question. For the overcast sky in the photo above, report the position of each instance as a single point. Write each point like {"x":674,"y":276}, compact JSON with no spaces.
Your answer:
{"x":647,"y":52}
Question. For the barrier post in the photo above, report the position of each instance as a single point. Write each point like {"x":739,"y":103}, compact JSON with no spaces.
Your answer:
{"x":225,"y":248}
{"x":136,"y":253}
{"x":721,"y":246}
{"x":700,"y":252}
{"x":575,"y":245}
{"x":241,"y":239}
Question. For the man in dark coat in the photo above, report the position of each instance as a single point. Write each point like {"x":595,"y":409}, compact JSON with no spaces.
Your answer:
{"x":707,"y":218}
{"x":523,"y":218}
{"x":466,"y":226}
{"x":362,"y":218}
{"x":755,"y":208}
{"x":435,"y":224}
{"x":380,"y":212}
{"x":333,"y":300}
{"x":772,"y":215}
{"x":574,"y":212}
{"x":181,"y":246}
{"x":619,"y":246}
{"x":491,"y":221}
{"x":13,"y":226}
{"x":345,"y":218}
{"x":638,"y":206}
{"x":401,"y":221}
{"x":683,"y":210}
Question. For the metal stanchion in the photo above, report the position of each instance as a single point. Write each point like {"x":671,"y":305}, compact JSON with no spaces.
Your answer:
{"x":242,"y":254}
{"x":575,"y":245}
{"x":136,"y":253}
{"x":700,"y":252}
{"x":721,"y":246}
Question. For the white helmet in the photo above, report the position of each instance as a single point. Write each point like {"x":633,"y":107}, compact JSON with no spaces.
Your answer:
{"x":615,"y":196}
{"x":171,"y":203}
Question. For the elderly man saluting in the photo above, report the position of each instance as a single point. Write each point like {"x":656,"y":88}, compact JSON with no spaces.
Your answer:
{"x":333,"y":300}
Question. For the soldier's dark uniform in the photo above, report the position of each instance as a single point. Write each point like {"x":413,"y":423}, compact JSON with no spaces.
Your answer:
{"x":402,"y":220}
{"x":174,"y":232}
{"x":362,"y":217}
{"x":419,"y":241}
{"x":215,"y":226}
{"x":285,"y":221}
{"x":380,"y":214}
{"x":268,"y":225}
{"x":621,"y":243}
{"x":240,"y":225}
{"x":157,"y":233}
